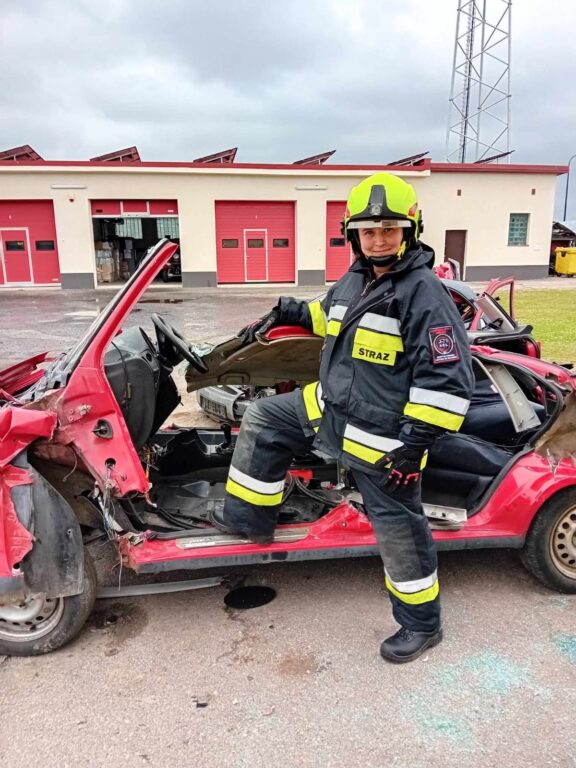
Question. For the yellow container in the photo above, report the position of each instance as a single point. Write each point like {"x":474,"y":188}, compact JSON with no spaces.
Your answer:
{"x":565,"y":261}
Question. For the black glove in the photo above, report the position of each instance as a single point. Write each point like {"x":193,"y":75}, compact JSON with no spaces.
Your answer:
{"x":404,"y":466}
{"x":260,"y":327}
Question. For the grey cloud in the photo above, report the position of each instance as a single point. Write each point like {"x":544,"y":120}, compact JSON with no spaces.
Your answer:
{"x":281,"y":80}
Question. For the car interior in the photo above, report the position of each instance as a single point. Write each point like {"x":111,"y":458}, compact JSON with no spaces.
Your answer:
{"x":188,"y":466}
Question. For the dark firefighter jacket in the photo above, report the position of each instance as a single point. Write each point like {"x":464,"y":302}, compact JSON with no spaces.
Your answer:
{"x":395,"y":367}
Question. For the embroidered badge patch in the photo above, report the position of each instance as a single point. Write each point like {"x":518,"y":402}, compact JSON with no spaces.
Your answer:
{"x":443,"y":344}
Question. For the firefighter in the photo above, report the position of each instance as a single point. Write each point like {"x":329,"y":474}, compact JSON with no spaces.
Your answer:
{"x":395,"y":373}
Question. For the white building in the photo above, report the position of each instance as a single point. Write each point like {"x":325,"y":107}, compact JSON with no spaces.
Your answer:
{"x":257,"y":223}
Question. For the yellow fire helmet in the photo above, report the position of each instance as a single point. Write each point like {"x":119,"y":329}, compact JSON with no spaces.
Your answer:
{"x":382,"y":200}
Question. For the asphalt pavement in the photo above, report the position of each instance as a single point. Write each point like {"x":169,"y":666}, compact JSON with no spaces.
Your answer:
{"x":182,"y":680}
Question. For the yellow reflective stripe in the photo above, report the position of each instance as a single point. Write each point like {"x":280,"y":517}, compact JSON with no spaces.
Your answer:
{"x":371,"y":455}
{"x":415,"y":598}
{"x":252,"y":497}
{"x":311,"y":402}
{"x":318,"y":318}
{"x":379,"y":342}
{"x":333,"y":328}
{"x":435,"y":416}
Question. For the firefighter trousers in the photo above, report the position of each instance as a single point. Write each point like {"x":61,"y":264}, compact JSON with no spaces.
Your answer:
{"x":271,"y":436}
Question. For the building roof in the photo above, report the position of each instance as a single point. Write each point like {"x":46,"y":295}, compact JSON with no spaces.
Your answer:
{"x":19,"y":154}
{"x":564,"y":229}
{"x":129,"y":155}
{"x":424,"y":166}
{"x":315,"y":159}
{"x":225,"y":157}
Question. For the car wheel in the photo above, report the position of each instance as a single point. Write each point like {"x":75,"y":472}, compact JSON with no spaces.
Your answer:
{"x":42,"y":624}
{"x":550,"y":550}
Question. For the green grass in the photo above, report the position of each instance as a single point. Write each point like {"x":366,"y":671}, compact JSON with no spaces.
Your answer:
{"x":552,"y":313}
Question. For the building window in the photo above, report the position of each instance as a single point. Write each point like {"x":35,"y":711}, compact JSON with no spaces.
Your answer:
{"x":129,"y":228}
{"x":229,"y":243}
{"x":518,"y":229}
{"x":168,"y":227}
{"x":337,"y":242}
{"x":257,"y":242}
{"x":280,"y":242}
{"x":44,"y":245}
{"x":15,"y":245}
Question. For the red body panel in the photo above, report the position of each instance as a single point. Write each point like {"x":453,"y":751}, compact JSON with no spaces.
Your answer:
{"x":21,"y":375}
{"x":15,"y":540}
{"x":507,"y":514}
{"x":88,"y":398}
{"x":18,"y":428}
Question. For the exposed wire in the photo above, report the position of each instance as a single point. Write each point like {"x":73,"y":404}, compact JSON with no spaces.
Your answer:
{"x":74,"y":468}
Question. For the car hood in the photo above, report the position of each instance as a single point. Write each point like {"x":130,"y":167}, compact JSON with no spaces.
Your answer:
{"x":286,"y":354}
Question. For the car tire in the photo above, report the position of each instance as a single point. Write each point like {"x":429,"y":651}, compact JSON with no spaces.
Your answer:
{"x":47,"y":624}
{"x":549,"y":553}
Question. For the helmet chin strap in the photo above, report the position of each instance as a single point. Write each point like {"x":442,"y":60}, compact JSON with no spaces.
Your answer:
{"x":386,"y":261}
{"x":383,"y":261}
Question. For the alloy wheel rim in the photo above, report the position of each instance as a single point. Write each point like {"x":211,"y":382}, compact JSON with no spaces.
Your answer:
{"x":563,"y":544}
{"x":31,"y":619}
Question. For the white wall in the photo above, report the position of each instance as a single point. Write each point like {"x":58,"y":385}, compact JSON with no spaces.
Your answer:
{"x":483,"y":209}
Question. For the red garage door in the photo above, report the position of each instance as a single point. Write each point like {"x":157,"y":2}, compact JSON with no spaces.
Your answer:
{"x":28,"y":247}
{"x":255,"y":242}
{"x":136,"y":208}
{"x":338,"y":252}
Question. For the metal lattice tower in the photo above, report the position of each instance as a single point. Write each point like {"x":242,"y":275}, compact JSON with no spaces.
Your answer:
{"x":479,"y":111}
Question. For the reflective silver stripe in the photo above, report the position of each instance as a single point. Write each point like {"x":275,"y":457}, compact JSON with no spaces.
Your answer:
{"x":439,"y":400}
{"x":255,"y":485}
{"x":337,"y":312}
{"x":319,"y":397}
{"x":373,"y":441}
{"x":410,"y":587}
{"x":379,"y":323}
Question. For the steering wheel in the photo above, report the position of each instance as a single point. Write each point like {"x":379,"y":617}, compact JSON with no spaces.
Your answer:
{"x":174,"y":347}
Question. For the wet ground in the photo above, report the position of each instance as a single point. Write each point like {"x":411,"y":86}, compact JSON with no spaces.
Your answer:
{"x":37,"y":320}
{"x":183,"y":680}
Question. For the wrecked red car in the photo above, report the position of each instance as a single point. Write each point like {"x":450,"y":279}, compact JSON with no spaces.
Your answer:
{"x":84,"y":454}
{"x":489,"y":318}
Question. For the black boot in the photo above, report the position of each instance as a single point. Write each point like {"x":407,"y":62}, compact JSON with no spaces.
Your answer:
{"x":217,"y":521}
{"x":407,"y":645}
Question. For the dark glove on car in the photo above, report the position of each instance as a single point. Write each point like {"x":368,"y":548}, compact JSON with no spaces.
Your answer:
{"x":404,"y":466}
{"x":260,"y":327}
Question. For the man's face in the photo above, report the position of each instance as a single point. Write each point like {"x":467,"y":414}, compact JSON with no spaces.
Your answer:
{"x":380,"y":242}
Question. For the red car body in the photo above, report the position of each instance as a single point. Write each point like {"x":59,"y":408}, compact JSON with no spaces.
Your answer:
{"x":78,"y":422}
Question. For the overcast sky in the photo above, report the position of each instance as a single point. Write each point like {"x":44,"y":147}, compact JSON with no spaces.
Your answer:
{"x":280,"y":80}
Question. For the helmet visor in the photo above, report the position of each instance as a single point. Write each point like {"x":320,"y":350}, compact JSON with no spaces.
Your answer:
{"x":382,"y":224}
